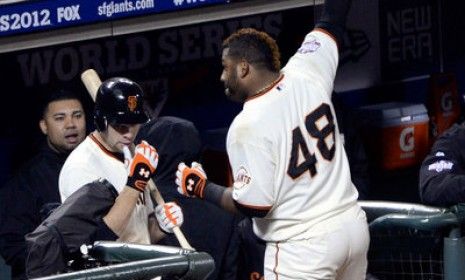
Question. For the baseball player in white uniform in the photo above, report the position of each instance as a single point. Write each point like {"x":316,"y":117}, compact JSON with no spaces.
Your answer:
{"x":118,"y":116}
{"x":290,"y":169}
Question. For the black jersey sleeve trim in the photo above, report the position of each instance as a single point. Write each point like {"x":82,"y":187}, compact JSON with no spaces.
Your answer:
{"x":252,"y":211}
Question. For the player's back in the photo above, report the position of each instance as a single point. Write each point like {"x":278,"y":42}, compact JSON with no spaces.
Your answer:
{"x":301,"y":167}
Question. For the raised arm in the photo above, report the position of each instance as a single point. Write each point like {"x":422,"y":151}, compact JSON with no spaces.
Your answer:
{"x":333,"y":18}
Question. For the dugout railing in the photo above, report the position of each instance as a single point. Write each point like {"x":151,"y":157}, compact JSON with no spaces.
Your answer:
{"x":414,"y":241}
{"x":408,"y":241}
{"x":131,"y":261}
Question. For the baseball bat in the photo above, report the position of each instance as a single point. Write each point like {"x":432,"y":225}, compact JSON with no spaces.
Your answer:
{"x":92,"y":82}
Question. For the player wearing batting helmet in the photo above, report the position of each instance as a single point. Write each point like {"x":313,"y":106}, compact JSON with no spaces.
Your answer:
{"x":118,"y":116}
{"x":119,"y":101}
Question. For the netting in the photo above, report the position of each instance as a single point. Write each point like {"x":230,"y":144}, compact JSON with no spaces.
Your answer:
{"x":406,"y":254}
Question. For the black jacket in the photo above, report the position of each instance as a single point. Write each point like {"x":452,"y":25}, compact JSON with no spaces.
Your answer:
{"x":22,"y":199}
{"x":251,"y":254}
{"x":206,"y":227}
{"x":442,"y":173}
{"x":78,"y":221}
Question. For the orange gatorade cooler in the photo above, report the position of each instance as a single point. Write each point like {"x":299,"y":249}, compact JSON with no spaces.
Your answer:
{"x":443,"y":102}
{"x":395,"y":135}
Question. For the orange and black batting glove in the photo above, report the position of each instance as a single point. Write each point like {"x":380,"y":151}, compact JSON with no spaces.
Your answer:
{"x":191,"y":181}
{"x":141,"y":166}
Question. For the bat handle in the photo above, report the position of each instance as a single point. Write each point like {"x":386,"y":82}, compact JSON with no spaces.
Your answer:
{"x":155,"y":194}
{"x":182,"y":239}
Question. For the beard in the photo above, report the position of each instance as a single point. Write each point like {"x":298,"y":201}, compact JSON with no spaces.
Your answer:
{"x":233,"y":90}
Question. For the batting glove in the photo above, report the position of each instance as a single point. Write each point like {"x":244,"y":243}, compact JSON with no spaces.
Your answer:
{"x":141,"y":166}
{"x":168,"y":216}
{"x":191,"y":180}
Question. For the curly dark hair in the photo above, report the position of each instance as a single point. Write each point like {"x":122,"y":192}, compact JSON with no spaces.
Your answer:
{"x":256,"y":47}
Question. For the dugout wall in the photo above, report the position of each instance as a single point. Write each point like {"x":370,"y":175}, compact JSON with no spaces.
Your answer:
{"x":392,"y":48}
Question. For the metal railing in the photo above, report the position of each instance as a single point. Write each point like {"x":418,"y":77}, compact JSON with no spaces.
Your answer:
{"x":141,"y":262}
{"x":390,"y":215}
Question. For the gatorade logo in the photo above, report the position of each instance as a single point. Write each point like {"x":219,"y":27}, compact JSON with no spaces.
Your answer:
{"x":406,"y":139}
{"x":446,"y":102}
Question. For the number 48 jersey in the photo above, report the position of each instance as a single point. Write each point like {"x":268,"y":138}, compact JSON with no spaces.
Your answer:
{"x":285,"y":150}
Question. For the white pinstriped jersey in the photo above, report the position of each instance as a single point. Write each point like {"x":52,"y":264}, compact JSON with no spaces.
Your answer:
{"x":285,"y":150}
{"x":91,"y":161}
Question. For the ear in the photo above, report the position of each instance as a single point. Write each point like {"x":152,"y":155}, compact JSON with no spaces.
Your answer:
{"x":43,"y":126}
{"x":244,"y":68}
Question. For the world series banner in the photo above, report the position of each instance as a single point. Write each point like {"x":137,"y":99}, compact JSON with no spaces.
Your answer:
{"x":181,"y":65}
{"x":33,"y":16}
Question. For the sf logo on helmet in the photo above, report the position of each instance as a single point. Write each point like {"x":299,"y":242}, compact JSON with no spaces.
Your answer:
{"x":132,"y":103}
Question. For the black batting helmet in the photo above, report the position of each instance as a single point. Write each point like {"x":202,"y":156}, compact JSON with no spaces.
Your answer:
{"x":119,"y":100}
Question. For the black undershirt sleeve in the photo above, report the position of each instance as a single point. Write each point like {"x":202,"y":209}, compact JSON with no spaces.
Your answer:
{"x":214,"y":193}
{"x":334,"y":17}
